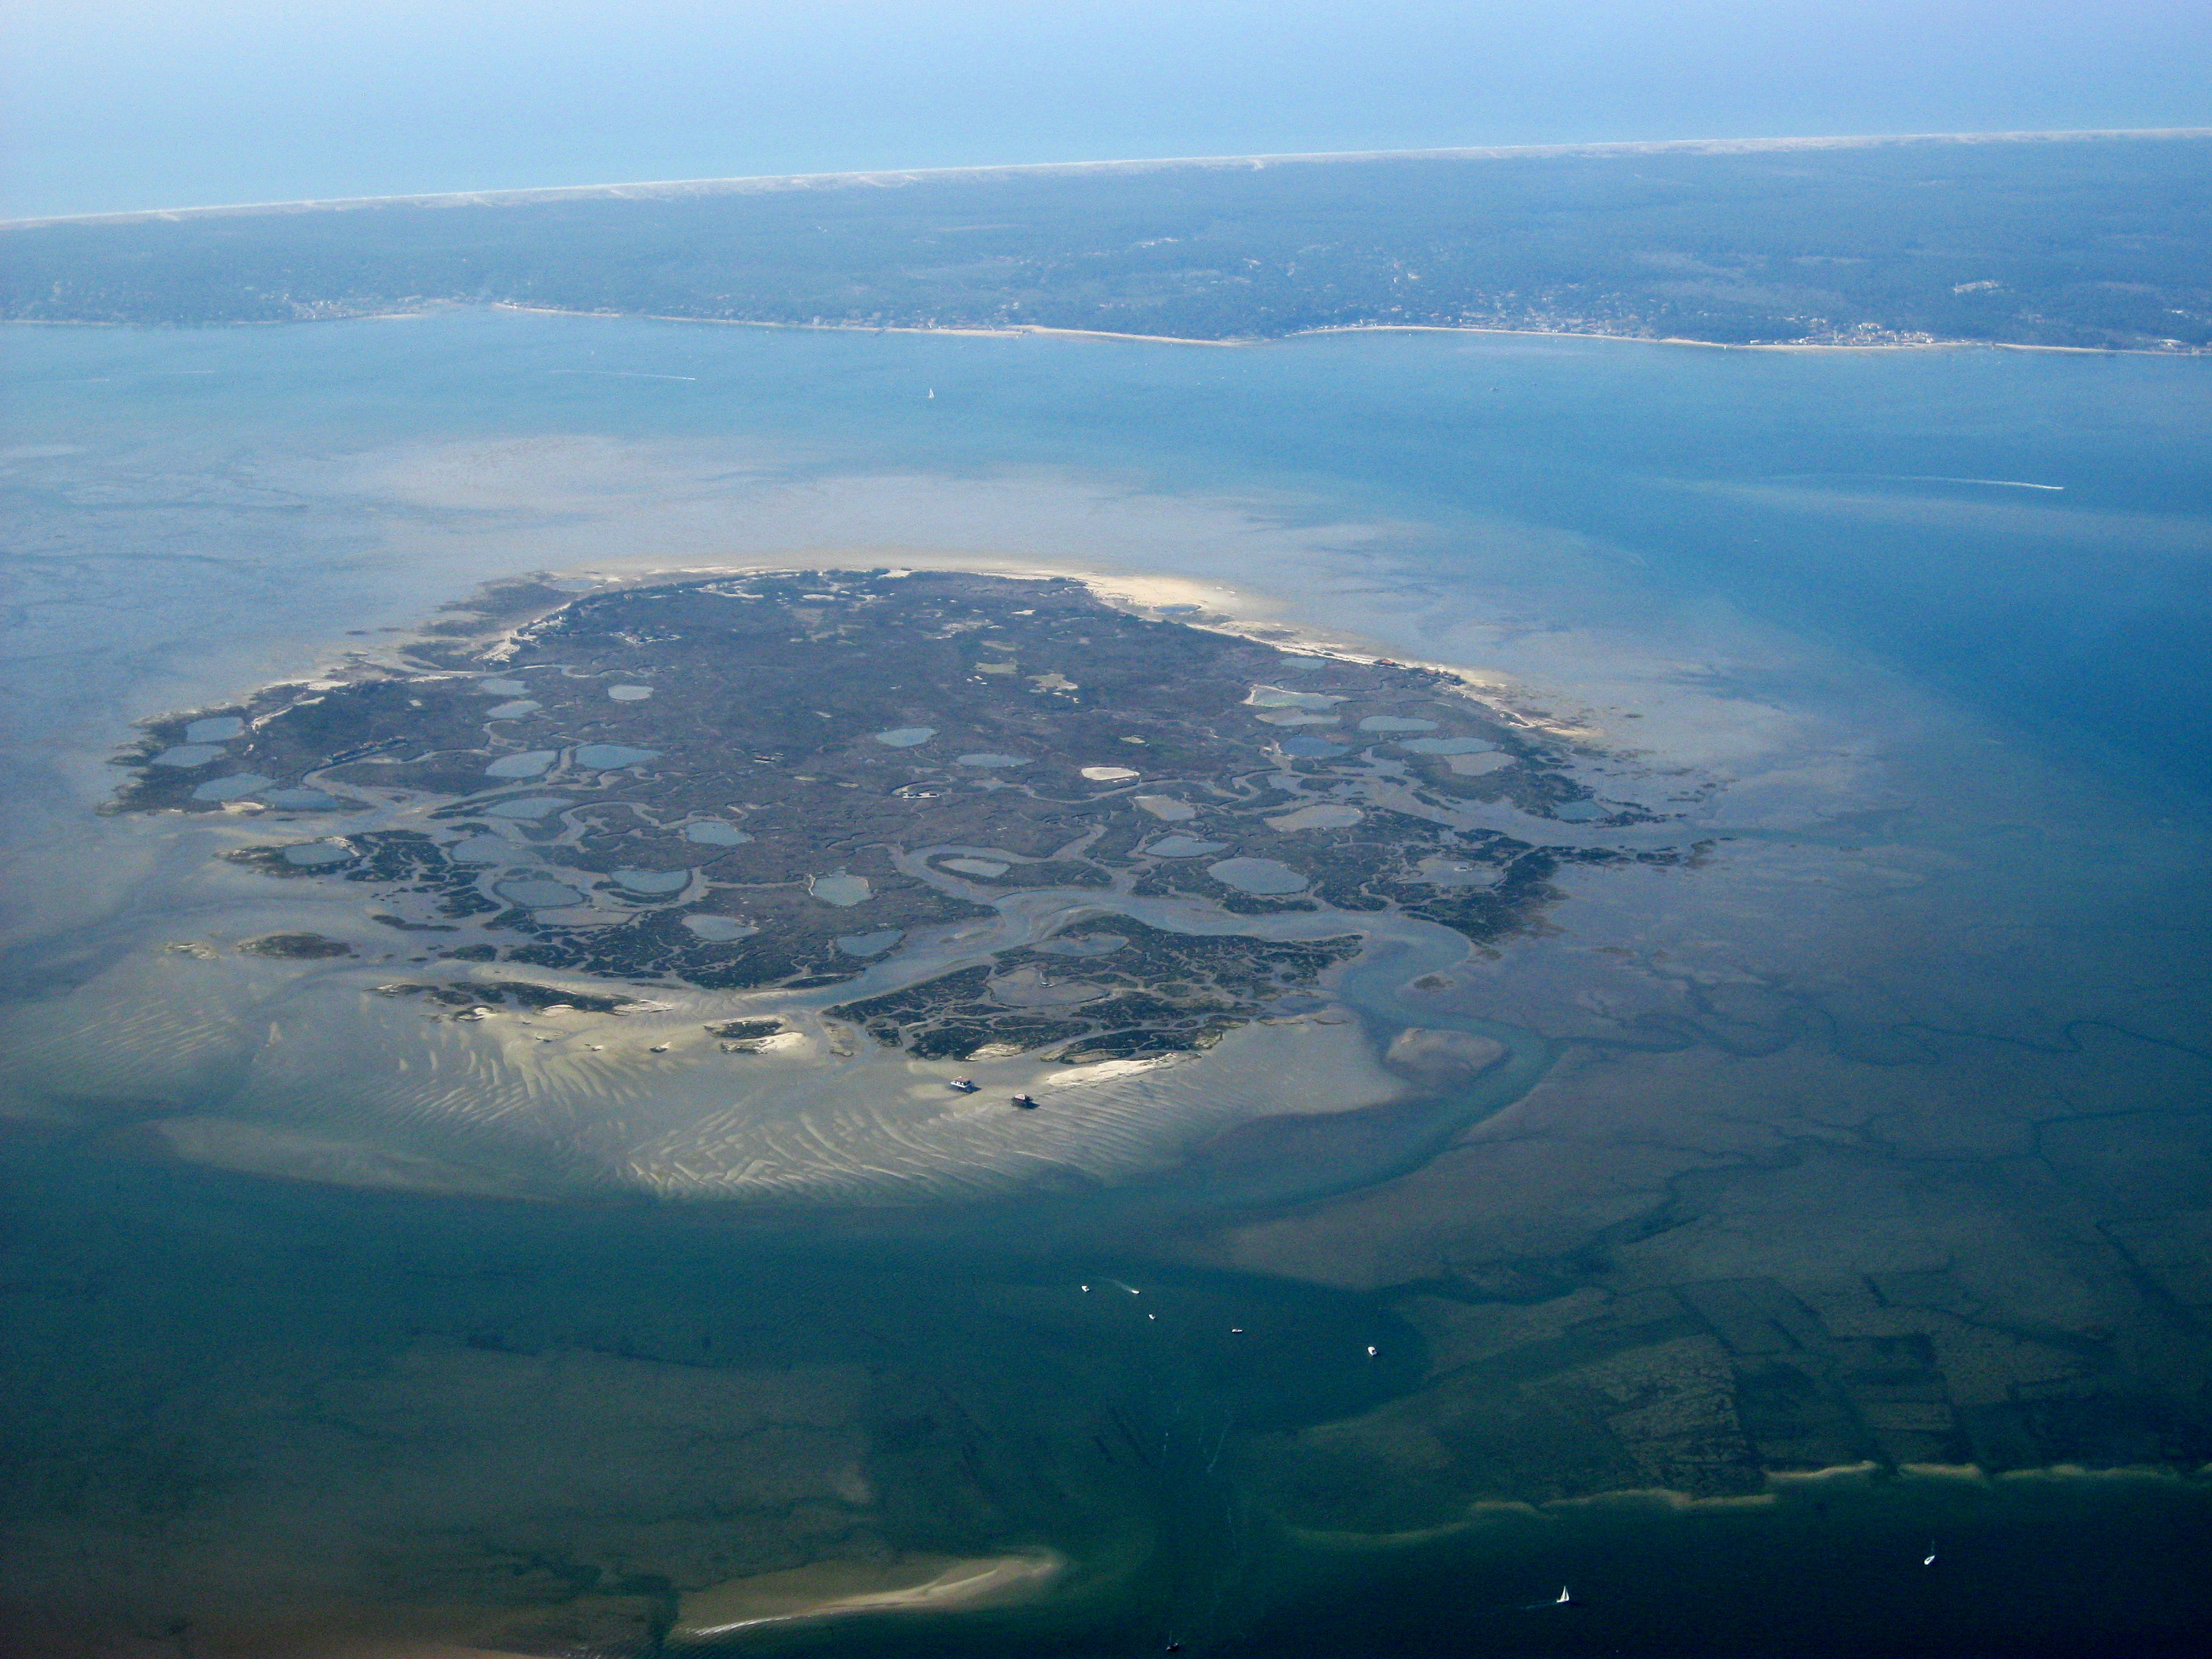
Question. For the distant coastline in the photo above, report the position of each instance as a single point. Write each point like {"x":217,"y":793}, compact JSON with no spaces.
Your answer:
{"x":2086,"y":241}
{"x":885,"y":178}
{"x":1018,"y":330}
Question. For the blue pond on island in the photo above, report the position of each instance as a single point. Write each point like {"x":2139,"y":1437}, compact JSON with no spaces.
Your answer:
{"x":538,"y":894}
{"x":1182,"y":847}
{"x":713,"y":832}
{"x":720,"y":929}
{"x":1395,"y":723}
{"x":870,"y":944}
{"x":842,"y":890}
{"x":906,"y":736}
{"x":189,"y":754}
{"x":612,"y":756}
{"x":529,"y":806}
{"x":314,"y":852}
{"x":1257,"y":876}
{"x":216,"y":728}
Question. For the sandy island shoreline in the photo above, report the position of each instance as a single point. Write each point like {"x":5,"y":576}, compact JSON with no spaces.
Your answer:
{"x":1019,"y":331}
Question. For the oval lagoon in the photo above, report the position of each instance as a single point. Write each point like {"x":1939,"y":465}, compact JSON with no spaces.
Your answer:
{"x":189,"y":754}
{"x":539,"y":894}
{"x":613,"y":757}
{"x":529,"y":806}
{"x":1257,"y":876}
{"x":720,"y":929}
{"x":527,"y":765}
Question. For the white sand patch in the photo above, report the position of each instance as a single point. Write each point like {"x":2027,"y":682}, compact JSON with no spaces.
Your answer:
{"x":826,"y":1589}
{"x":1107,"y":1070}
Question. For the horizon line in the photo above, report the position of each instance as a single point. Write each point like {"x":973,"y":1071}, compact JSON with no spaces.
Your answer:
{"x":762,"y":183}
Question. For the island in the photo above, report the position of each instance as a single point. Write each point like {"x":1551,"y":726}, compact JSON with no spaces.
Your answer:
{"x":781,"y":781}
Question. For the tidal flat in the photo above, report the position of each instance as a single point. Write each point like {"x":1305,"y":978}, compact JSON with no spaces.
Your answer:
{"x":1829,"y":1182}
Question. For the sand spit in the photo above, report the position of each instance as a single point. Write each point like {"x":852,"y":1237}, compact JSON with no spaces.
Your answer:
{"x":762,"y":183}
{"x":832,"y":1590}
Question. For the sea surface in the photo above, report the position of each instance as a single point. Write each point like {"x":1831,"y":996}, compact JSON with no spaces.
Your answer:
{"x":1959,"y":594}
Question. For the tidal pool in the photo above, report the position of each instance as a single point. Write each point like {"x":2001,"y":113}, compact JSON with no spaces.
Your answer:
{"x":1395,"y":723}
{"x":721,"y":929}
{"x":613,"y":757}
{"x":529,"y":807}
{"x":1167,"y":807}
{"x":189,"y":754}
{"x":515,"y":710}
{"x":629,"y":693}
{"x":1478,"y":766}
{"x":315,"y":853}
{"x":870,"y":944}
{"x":840,"y":890}
{"x":1181,"y":846}
{"x":713,"y":832}
{"x":539,"y":894}
{"x":1110,"y":774}
{"x":993,"y":760}
{"x":1328,"y":816}
{"x":1303,"y":748}
{"x":1275,"y":696}
{"x":527,"y":765}
{"x":216,"y":728}
{"x":906,"y":736}
{"x":1257,"y":876}
{"x":487,"y":849}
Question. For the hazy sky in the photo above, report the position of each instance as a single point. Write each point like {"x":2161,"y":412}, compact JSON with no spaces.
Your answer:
{"x":116,"y":105}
